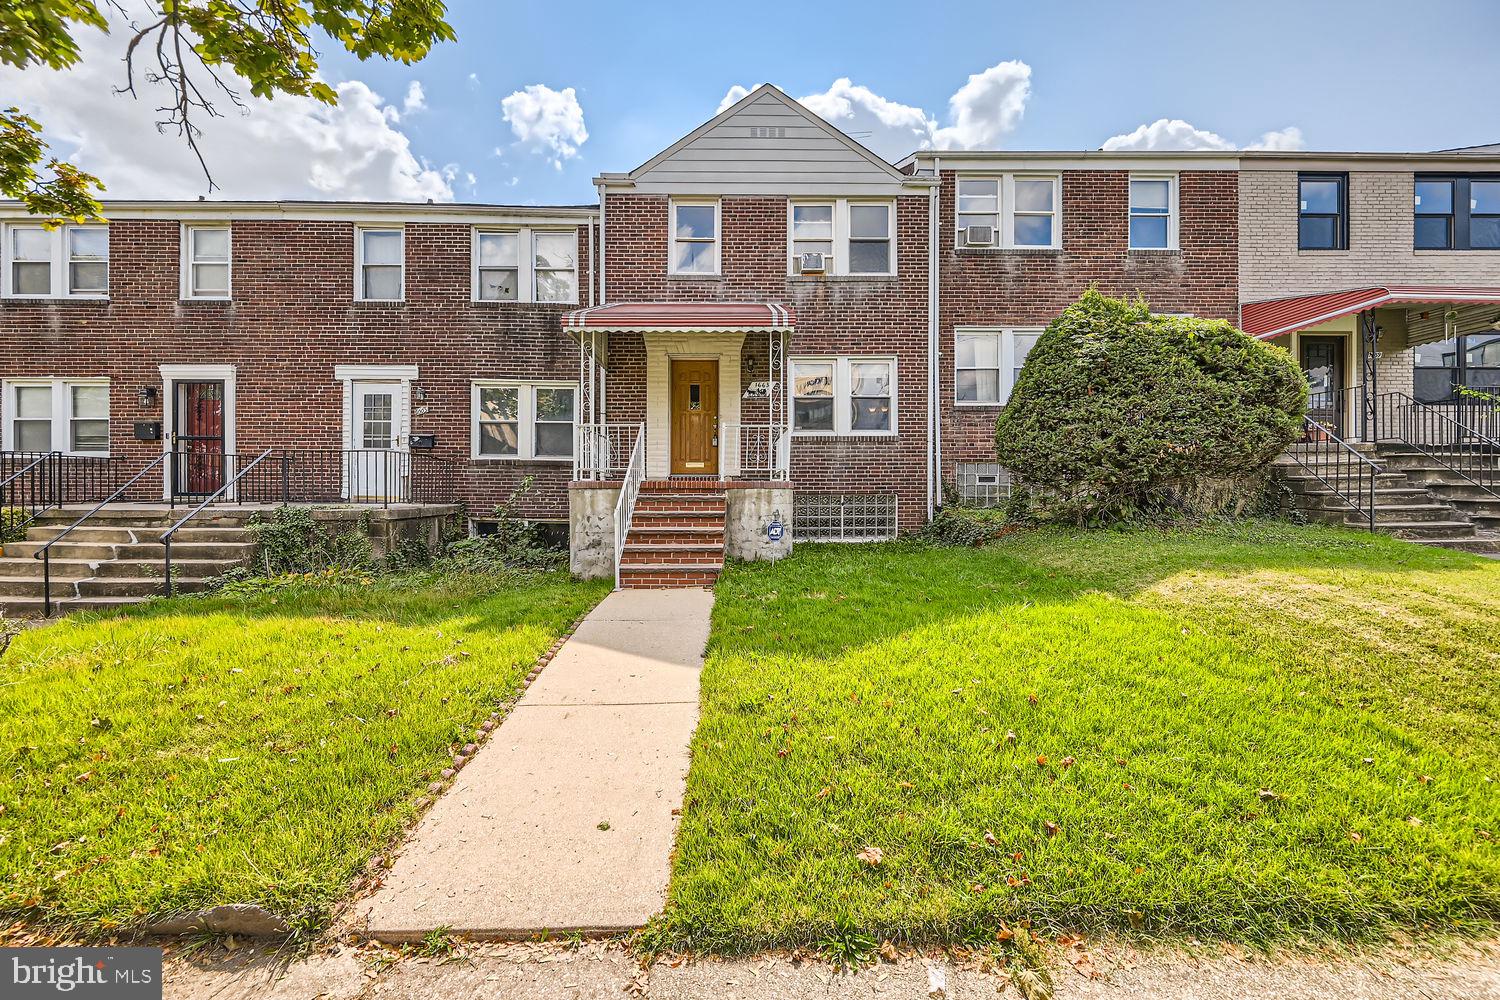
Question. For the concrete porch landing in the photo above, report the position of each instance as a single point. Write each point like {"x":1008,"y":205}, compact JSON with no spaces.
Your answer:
{"x":564,"y":821}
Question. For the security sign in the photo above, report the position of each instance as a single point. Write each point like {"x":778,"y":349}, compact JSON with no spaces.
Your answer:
{"x":775,"y":530}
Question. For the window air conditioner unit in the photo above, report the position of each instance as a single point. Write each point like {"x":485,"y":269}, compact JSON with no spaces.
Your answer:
{"x":812,"y":263}
{"x":979,"y":236}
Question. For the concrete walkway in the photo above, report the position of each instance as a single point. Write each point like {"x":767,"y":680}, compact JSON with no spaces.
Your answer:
{"x":565,"y":819}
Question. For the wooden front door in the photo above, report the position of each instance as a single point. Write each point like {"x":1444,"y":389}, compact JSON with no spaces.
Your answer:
{"x":695,"y":418}
{"x":198,"y":437}
{"x":1323,"y":363}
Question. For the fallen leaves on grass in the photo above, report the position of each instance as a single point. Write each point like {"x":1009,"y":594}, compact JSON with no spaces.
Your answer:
{"x":871,"y":856}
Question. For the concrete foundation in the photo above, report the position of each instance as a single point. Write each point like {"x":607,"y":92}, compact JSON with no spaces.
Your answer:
{"x":750,"y":509}
{"x":391,"y":529}
{"x":591,"y":529}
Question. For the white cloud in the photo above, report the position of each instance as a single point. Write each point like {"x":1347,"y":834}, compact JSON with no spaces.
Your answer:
{"x":1174,"y":133}
{"x":980,"y":114}
{"x":292,"y":147}
{"x":416,"y":99}
{"x":546,"y":121}
{"x":733,"y":96}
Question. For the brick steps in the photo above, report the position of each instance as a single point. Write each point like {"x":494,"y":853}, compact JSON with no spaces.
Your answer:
{"x":676,"y":536}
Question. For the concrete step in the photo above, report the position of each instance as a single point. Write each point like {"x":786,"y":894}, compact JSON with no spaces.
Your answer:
{"x":1416,"y":512}
{"x":62,"y":569}
{"x":139,"y":586}
{"x":32,"y":607}
{"x":31,"y":586}
{"x":1418,"y":530}
{"x":115,"y":515}
{"x":1481,"y":544}
{"x":99,"y":552}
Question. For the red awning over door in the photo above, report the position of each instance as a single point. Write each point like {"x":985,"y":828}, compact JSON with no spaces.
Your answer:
{"x":705,"y":316}
{"x":1279,"y":317}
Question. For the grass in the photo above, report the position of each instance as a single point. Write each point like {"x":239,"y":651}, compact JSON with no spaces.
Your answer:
{"x":254,"y":748}
{"x":1254,"y":732}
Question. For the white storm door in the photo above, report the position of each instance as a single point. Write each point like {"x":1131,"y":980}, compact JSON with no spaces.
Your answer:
{"x":376,"y":467}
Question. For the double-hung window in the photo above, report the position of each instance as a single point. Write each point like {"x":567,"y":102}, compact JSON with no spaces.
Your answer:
{"x":205,"y":262}
{"x":524,"y":420}
{"x":979,"y":209}
{"x":1010,"y":212}
{"x":525,"y":265}
{"x":1322,"y":211}
{"x":1034,"y":212}
{"x":855,"y":237}
{"x":380,"y":265}
{"x":695,"y":237}
{"x":66,"y":415}
{"x":844,"y":395}
{"x":1457,"y":212}
{"x":68,"y":262}
{"x":987,"y":363}
{"x":1153,"y":214}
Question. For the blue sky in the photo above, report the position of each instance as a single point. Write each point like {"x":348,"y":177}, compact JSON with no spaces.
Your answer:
{"x":1065,"y":75}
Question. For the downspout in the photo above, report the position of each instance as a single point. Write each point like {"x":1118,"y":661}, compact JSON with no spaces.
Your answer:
{"x":934,"y":432}
{"x":603,"y":299}
{"x":593,"y":260}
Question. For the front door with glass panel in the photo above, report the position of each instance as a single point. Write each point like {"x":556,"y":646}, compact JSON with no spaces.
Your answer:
{"x":695,"y":418}
{"x":1323,"y":362}
{"x":198,"y":460}
{"x":376,"y":468}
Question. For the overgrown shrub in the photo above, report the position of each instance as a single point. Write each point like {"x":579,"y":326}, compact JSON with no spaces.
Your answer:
{"x":292,"y":541}
{"x":963,"y":526}
{"x":10,"y":524}
{"x":1120,"y":414}
{"x":515,"y":543}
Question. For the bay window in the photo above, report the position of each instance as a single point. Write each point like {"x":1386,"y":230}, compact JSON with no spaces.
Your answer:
{"x":987,"y":363}
{"x":66,"y":415}
{"x":523,"y":420}
{"x":844,"y":396}
{"x":68,"y":262}
{"x":695,"y":237}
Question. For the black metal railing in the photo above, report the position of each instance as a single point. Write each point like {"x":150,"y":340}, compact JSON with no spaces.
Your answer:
{"x":1339,"y":466}
{"x":226,"y":488}
{"x":28,"y":487}
{"x":1457,"y":446}
{"x":45,"y":552}
{"x":315,"y":475}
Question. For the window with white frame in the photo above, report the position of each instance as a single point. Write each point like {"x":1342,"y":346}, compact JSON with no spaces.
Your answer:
{"x":987,"y":364}
{"x":1153,"y":222}
{"x":68,"y":262}
{"x":979,"y":206}
{"x":695,"y":237}
{"x":205,"y":262}
{"x":524,"y":420}
{"x":380,"y":265}
{"x":844,"y":395}
{"x":1033,"y":212}
{"x":856,"y":237}
{"x":526,"y":265}
{"x":66,"y":415}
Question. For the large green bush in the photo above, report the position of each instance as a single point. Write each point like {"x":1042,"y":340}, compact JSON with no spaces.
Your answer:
{"x":1122,"y":414}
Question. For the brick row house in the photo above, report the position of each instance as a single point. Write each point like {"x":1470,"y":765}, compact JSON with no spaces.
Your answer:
{"x":765,"y":333}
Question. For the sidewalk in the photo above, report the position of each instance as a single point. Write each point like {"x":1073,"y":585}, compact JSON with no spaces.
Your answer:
{"x":565,"y":820}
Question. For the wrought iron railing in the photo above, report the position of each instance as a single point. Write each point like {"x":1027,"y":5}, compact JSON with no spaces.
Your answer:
{"x":602,"y":451}
{"x":1338,"y":465}
{"x":318,"y":475}
{"x":28,"y":486}
{"x":630,"y":488}
{"x":1457,"y":446}
{"x":761,"y":449}
{"x":226,"y":489}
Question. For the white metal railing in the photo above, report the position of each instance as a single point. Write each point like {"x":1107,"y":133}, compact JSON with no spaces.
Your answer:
{"x":630,"y":488}
{"x":604,"y":450}
{"x":763,"y":450}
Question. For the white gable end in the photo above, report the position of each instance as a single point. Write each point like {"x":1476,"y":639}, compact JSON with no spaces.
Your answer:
{"x":767,"y":144}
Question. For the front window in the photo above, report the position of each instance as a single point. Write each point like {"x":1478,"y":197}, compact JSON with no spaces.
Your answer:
{"x":1434,"y":215}
{"x":1470,"y":362}
{"x":1035,"y":205}
{"x":979,"y":210}
{"x":497,"y":258}
{"x":519,"y":420}
{"x":870,"y":239}
{"x":854,"y":237}
{"x":812,"y":232}
{"x":988,"y":362}
{"x":851,"y":396}
{"x":381,"y":265}
{"x":556,"y":267}
{"x":57,"y":415}
{"x":207,"y":274}
{"x":1322,"y":212}
{"x":70,"y":261}
{"x":695,"y":238}
{"x":1484,"y":214}
{"x":1151,"y":213}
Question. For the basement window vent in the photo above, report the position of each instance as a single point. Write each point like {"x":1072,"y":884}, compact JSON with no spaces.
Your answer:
{"x":768,"y":132}
{"x":981,"y":484}
{"x":843,"y":517}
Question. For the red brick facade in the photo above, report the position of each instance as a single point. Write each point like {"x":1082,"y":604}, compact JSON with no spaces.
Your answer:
{"x":1028,"y":288}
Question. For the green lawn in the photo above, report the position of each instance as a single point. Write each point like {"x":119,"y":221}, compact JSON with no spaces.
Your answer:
{"x":255,"y":748}
{"x":1253,"y":732}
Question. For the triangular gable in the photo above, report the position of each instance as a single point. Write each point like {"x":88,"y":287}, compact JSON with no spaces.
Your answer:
{"x":767,"y":143}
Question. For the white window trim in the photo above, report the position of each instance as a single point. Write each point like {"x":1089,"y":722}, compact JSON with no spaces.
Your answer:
{"x":672,"y":205}
{"x":186,"y":248}
{"x":1006,"y":380}
{"x":57,"y":260}
{"x":998,"y":215}
{"x":1008,"y":212}
{"x":841,"y":238}
{"x":359,"y":260}
{"x":841,"y":395}
{"x":1172,"y":211}
{"x":525,"y":264}
{"x":525,"y":418}
{"x":61,"y":417}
